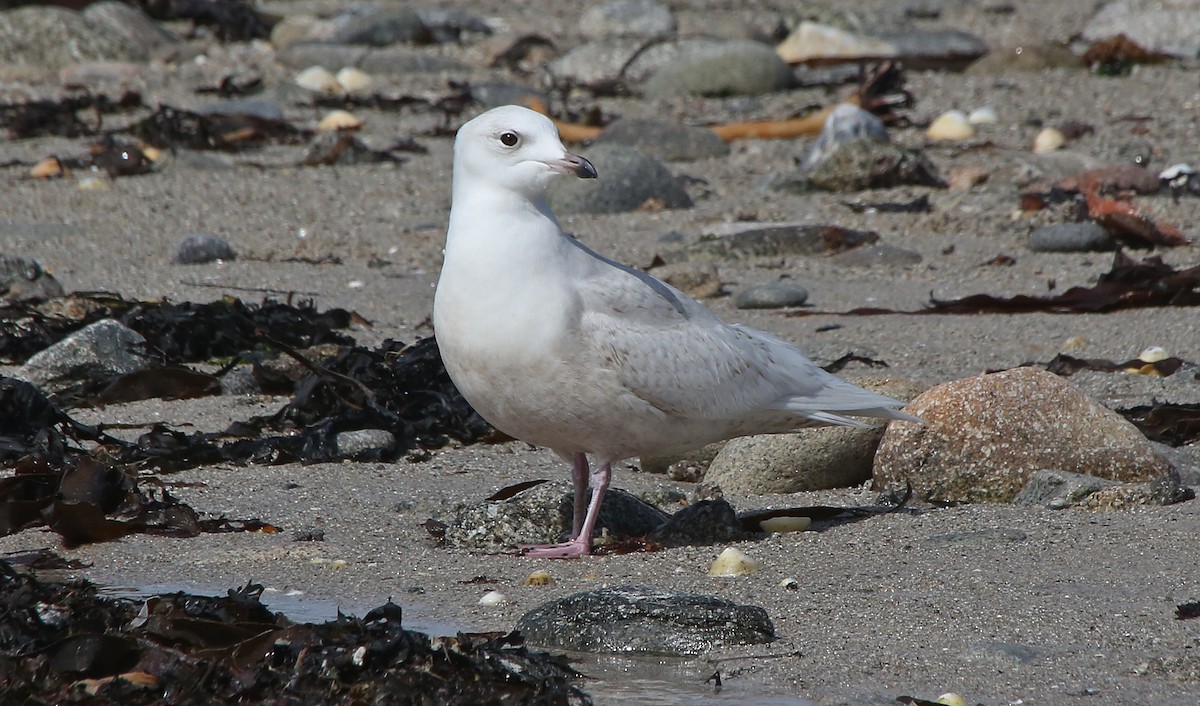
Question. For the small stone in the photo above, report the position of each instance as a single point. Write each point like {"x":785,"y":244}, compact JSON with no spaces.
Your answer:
{"x":643,"y":619}
{"x":629,"y":180}
{"x":379,"y":27}
{"x":774,"y":295}
{"x":202,"y":248}
{"x":364,"y":442}
{"x":22,"y":279}
{"x":703,"y":522}
{"x":733,"y":562}
{"x":1048,"y":140}
{"x":951,"y":126}
{"x":47,"y":168}
{"x":983,"y":116}
{"x":628,"y":18}
{"x":1087,"y":236}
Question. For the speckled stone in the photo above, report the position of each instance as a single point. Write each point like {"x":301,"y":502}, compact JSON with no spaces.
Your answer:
{"x":984,"y":437}
{"x":772,"y":295}
{"x":644,"y":619}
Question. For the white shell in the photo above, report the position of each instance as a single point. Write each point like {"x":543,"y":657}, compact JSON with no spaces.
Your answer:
{"x":950,"y":125}
{"x":355,"y":81}
{"x":1048,"y":140}
{"x":339,"y":120}
{"x":1153,"y":354}
{"x":319,"y":80}
{"x":493,"y":598}
{"x":733,"y":562}
{"x":951,"y":699}
{"x":985,"y":115}
{"x":785,"y":524}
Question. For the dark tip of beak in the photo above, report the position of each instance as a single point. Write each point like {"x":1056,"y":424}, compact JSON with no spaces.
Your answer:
{"x":583,"y":168}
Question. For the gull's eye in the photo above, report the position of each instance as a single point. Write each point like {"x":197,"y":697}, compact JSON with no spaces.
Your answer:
{"x":509,"y":138}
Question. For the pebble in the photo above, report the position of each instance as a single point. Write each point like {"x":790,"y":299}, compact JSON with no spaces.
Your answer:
{"x":809,"y":459}
{"x":202,"y":248}
{"x":539,"y":578}
{"x":985,"y":115}
{"x":712,"y":521}
{"x":630,"y":179}
{"x":773,"y":295}
{"x":628,"y":18}
{"x":364,"y":442}
{"x":1087,"y":236}
{"x":380,"y":27}
{"x":950,"y":126}
{"x":22,"y":279}
{"x":644,"y":619}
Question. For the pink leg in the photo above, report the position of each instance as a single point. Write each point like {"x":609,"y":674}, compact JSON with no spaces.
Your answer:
{"x":581,"y":544}
{"x":579,"y":478}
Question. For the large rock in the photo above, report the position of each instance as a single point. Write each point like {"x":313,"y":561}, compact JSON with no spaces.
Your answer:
{"x":719,"y":68}
{"x":1168,"y":26}
{"x":644,"y":619}
{"x":628,"y":180}
{"x":103,"y":349}
{"x":810,"y":459}
{"x":984,"y":438}
{"x":53,"y":37}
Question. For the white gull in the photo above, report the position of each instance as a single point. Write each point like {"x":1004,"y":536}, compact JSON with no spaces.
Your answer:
{"x":560,"y":347}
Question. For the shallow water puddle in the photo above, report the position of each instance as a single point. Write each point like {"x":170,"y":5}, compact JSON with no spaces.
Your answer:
{"x":663,"y":681}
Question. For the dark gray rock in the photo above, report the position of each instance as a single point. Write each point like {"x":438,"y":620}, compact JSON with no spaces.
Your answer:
{"x":645,"y":619}
{"x":23,"y":279}
{"x":202,"y":248}
{"x":628,"y":180}
{"x":1061,"y":489}
{"x":542,"y":514}
{"x":673,"y":142}
{"x":1087,"y":236}
{"x":705,"y":67}
{"x":63,"y":37}
{"x":103,"y":349}
{"x":877,"y":255}
{"x":701,"y":523}
{"x":747,"y":241}
{"x":380,"y":26}
{"x":451,"y":25}
{"x":1184,"y":459}
{"x":772,"y":295}
{"x":845,"y":124}
{"x":628,"y":18}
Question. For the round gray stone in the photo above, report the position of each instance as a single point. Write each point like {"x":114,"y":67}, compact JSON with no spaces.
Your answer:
{"x":773,"y":295}
{"x":1087,"y":236}
{"x":628,"y":180}
{"x":720,"y":68}
{"x":202,"y":248}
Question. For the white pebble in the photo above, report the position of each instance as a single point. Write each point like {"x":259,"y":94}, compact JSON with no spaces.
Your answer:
{"x":355,"y":81}
{"x":985,"y":115}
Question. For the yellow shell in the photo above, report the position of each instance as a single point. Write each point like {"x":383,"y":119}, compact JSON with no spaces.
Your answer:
{"x":950,"y":125}
{"x":539,"y":578}
{"x":48,"y":167}
{"x":733,"y":562}
{"x":339,"y":120}
{"x":1048,"y":140}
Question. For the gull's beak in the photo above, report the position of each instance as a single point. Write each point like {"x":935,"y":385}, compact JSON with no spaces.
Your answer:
{"x":573,"y":164}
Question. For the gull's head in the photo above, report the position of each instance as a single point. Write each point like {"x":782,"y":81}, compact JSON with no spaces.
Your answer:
{"x":514,"y":148}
